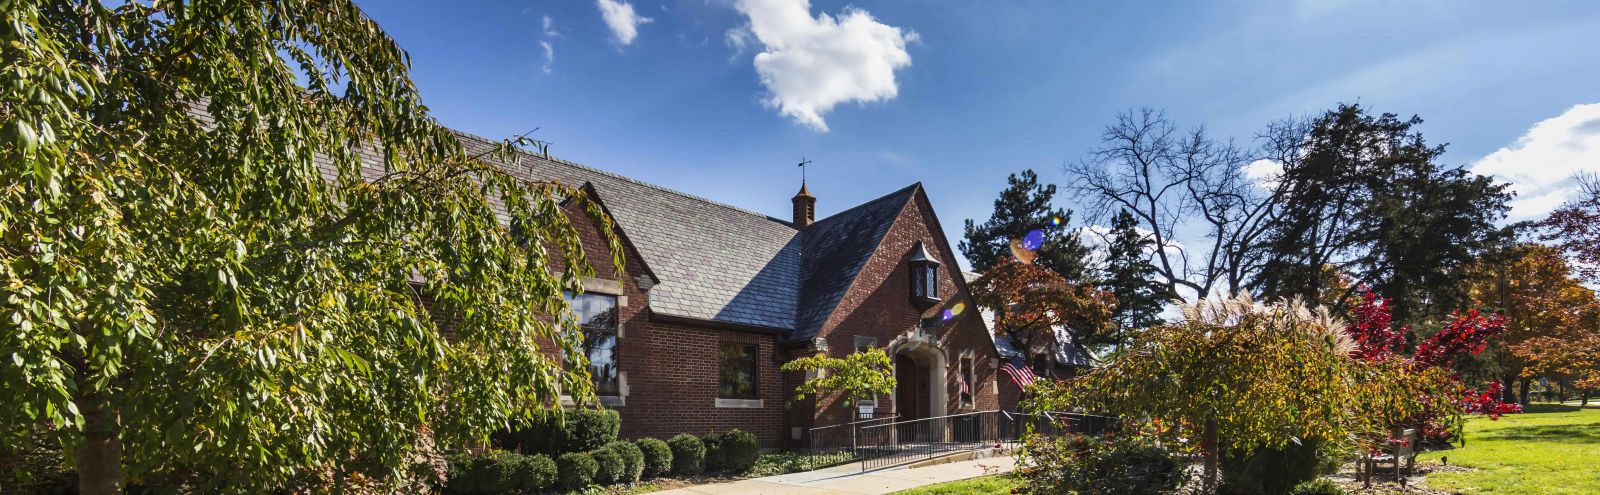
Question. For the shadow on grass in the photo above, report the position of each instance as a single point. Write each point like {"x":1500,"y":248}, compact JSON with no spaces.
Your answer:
{"x":1550,"y":408}
{"x":1573,"y":434}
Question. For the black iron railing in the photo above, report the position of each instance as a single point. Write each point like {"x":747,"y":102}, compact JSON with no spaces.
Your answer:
{"x":909,"y":441}
{"x":837,"y":444}
{"x":1059,"y":423}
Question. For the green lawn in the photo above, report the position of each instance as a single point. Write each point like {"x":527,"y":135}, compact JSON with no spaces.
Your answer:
{"x":1549,"y":449}
{"x":984,"y":485}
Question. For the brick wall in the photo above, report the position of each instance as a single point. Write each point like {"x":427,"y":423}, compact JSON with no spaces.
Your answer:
{"x":878,"y":305}
{"x":671,"y":369}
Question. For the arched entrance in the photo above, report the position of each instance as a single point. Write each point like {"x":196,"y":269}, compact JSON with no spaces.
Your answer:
{"x":920,"y":388}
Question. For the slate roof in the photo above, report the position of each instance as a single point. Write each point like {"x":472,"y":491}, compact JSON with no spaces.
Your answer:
{"x":723,"y":263}
{"x":714,"y":261}
{"x":834,"y":250}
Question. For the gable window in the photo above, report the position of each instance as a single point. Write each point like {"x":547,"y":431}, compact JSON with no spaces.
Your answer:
{"x":966,"y":382}
{"x":924,"y":275}
{"x":737,"y":372}
{"x":1041,"y":366}
{"x":597,"y":317}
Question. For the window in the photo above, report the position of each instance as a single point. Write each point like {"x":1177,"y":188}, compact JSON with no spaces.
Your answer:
{"x":926,"y":281}
{"x":1041,"y":366}
{"x":966,"y":382}
{"x":597,"y":316}
{"x":737,"y":374}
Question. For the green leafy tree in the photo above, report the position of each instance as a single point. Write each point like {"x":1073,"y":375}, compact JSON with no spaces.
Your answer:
{"x":1022,"y":207}
{"x":206,"y":279}
{"x":861,"y":375}
{"x":1365,"y":194}
{"x":1130,"y":277}
{"x":1234,"y":377}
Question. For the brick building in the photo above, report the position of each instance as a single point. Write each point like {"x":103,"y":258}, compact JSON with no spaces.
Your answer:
{"x":716,"y":298}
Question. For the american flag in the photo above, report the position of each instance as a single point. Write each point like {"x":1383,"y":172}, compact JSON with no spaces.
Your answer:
{"x":1023,"y":376}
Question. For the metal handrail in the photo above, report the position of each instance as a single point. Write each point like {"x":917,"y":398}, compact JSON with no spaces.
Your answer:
{"x":936,"y":417}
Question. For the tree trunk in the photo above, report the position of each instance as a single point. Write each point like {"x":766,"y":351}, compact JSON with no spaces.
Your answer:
{"x":1524,"y":399}
{"x":1508,"y":393}
{"x":99,"y":457}
{"x":1210,"y":450}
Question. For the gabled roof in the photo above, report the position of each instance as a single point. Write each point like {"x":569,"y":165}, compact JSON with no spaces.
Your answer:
{"x":835,"y":249}
{"x":714,"y":261}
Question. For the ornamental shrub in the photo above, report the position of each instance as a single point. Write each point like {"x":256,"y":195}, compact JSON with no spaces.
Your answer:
{"x":632,"y":460}
{"x":534,"y":473}
{"x":610,"y":466}
{"x":1105,"y":465}
{"x":716,"y":458}
{"x":576,"y":470}
{"x":1270,"y":471}
{"x":739,"y":451}
{"x":657,"y":457}
{"x":1319,"y":486}
{"x":688,"y":454}
{"x":576,"y":430}
{"x":490,"y":473}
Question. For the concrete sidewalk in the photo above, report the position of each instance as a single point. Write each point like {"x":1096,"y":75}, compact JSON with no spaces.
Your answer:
{"x":848,"y":479}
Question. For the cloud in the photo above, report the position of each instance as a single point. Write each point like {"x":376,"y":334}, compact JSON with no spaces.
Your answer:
{"x":1542,"y":164}
{"x":1263,"y":173}
{"x":811,"y":64}
{"x":549,"y":30}
{"x":738,"y":39}
{"x":549,"y":55}
{"x":622,"y":20}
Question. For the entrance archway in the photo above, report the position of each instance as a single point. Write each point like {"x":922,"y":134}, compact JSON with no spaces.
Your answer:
{"x":920,"y":390}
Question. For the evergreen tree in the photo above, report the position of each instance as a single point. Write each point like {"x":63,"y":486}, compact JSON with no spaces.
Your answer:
{"x":1365,"y":194}
{"x":1130,"y":277}
{"x":1022,"y":207}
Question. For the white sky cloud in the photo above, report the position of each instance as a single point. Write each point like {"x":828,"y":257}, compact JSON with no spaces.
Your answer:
{"x":622,"y":20}
{"x":1263,"y":173}
{"x":809,"y":64}
{"x":549,"y":27}
{"x":1542,"y":164}
{"x":549,"y":55}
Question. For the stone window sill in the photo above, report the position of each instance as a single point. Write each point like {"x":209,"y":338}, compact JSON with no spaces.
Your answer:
{"x":740,"y":403}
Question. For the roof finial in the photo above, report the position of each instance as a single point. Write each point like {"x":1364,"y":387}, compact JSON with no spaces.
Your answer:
{"x":803,"y":163}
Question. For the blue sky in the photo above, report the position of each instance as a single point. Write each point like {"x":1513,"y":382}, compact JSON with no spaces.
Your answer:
{"x":959,"y":94}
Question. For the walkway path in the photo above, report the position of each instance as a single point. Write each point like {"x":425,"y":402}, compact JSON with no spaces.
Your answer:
{"x":849,"y":480}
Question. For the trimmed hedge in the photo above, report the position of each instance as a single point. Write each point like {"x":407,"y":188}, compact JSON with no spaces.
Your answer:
{"x":499,"y":472}
{"x":657,"y":457}
{"x":740,"y":451}
{"x":716,"y":461}
{"x":632,"y":460}
{"x":688,"y":454}
{"x":576,"y":470}
{"x":734,"y":451}
{"x":485,"y":474}
{"x":611,"y":466}
{"x":575,"y":430}
{"x":534,"y":473}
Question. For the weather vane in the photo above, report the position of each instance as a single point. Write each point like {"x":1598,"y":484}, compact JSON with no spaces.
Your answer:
{"x":803,"y":163}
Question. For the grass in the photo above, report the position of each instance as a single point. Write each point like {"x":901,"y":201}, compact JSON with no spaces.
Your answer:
{"x":1000,"y":483}
{"x":1550,"y":449}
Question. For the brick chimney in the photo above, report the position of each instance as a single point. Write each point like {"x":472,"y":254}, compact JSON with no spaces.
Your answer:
{"x":805,"y":207}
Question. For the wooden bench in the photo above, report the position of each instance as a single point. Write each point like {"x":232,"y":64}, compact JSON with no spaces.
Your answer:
{"x":1401,"y":448}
